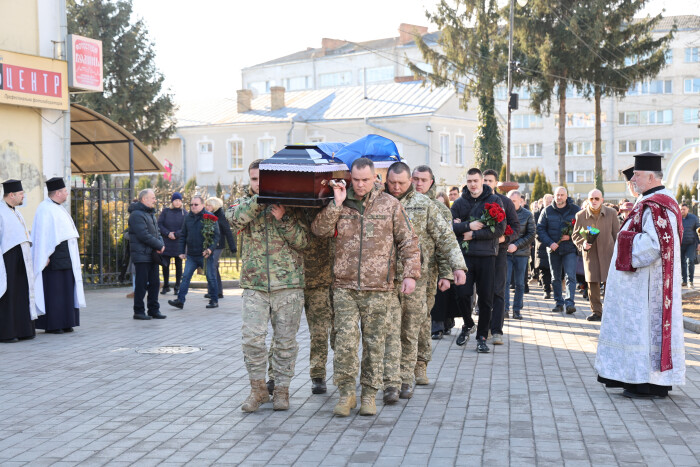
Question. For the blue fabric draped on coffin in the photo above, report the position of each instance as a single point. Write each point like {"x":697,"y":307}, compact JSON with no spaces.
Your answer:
{"x":374,"y":147}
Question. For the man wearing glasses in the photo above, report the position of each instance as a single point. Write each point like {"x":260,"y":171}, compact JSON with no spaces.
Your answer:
{"x":596,"y":256}
{"x":192,"y":248}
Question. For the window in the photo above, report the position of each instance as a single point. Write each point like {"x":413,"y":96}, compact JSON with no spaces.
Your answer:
{"x":459,"y":149}
{"x":444,"y":149}
{"x":691,"y":115}
{"x":500,"y":93}
{"x":205,"y":156}
{"x":691,"y":86}
{"x":655,"y":145}
{"x":691,"y":140}
{"x":692,"y":55}
{"x":669,"y":56}
{"x":297,"y":83}
{"x":584,"y":148}
{"x":235,"y":154}
{"x":342,"y":78}
{"x":645,"y":145}
{"x":627,"y":146}
{"x":527,"y":150}
{"x":426,"y":67}
{"x":579,"y":176}
{"x":573,"y":93}
{"x":266,"y":147}
{"x":524,"y":121}
{"x":651,"y":87}
{"x":646,"y":117}
{"x":581,"y":120}
{"x":375,"y":75}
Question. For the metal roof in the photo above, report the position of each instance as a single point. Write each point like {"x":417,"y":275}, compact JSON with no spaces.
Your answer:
{"x":383,"y":100}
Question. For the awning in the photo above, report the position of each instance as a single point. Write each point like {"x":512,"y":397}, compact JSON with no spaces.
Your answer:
{"x":100,"y":146}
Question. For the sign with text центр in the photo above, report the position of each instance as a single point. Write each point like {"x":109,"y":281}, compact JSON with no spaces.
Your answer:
{"x":32,"y":81}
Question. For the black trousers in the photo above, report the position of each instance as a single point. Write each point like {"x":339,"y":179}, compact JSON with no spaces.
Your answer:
{"x":499,"y":291}
{"x":15,"y":318}
{"x":146,"y":280}
{"x":166,"y":270}
{"x":481,"y":271}
{"x":546,"y":278}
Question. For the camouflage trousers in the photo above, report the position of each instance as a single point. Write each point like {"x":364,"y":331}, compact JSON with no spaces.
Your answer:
{"x":319,"y":316}
{"x":405,"y":343}
{"x":283,"y":309}
{"x":369,"y":308}
{"x":392,"y":346}
{"x":425,"y":349}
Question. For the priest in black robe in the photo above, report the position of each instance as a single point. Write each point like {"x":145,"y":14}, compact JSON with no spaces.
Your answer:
{"x":57,"y":275}
{"x":17,"y":310}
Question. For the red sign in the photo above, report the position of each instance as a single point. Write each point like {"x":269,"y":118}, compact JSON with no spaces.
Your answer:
{"x":85,"y":71}
{"x":30,"y":81}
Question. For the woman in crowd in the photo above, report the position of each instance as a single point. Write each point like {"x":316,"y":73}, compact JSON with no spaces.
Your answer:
{"x":215,"y":206}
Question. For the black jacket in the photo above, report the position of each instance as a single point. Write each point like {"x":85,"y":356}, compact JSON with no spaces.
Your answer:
{"x":511,"y":219}
{"x":690,"y":226}
{"x":144,"y":236}
{"x":466,"y":208}
{"x":171,"y":220}
{"x":552,"y":222}
{"x":192,"y":237}
{"x":225,"y":231}
{"x":541,"y":258}
{"x":526,"y":234}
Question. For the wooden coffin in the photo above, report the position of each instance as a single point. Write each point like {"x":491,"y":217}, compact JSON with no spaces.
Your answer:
{"x":299,"y":176}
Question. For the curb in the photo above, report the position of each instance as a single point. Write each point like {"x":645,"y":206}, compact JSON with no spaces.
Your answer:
{"x":691,"y":324}
{"x":233,"y":284}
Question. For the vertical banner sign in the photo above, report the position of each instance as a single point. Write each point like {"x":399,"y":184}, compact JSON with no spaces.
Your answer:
{"x":85,"y":70}
{"x":168,"y":170}
{"x":32,"y":81}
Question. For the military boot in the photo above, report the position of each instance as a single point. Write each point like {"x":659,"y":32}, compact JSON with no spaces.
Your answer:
{"x":406,"y":391}
{"x":368,"y":404}
{"x":421,"y":373}
{"x":318,"y":386}
{"x":391,"y":395}
{"x":258,"y":396}
{"x":280,"y":398}
{"x":345,"y":404}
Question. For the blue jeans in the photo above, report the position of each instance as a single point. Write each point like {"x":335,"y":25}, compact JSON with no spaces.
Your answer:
{"x":194,"y":262}
{"x":566,"y":262}
{"x":688,"y":262}
{"x":517,"y":267}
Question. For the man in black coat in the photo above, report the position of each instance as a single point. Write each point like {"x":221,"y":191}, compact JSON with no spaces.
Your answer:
{"x":554,"y":221}
{"x":170,"y":224}
{"x":499,"y":304}
{"x":192,"y":248}
{"x":480,"y":255}
{"x":144,"y":239}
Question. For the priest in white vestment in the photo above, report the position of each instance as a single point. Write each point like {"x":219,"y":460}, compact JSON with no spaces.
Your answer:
{"x":641,"y":347}
{"x":58,"y":281}
{"x":17,"y":312}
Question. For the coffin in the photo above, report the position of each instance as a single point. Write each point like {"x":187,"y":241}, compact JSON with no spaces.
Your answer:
{"x":298,"y":175}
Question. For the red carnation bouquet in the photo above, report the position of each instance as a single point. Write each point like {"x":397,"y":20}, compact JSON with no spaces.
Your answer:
{"x":492,"y":215}
{"x":209,"y":223}
{"x":568,"y":229}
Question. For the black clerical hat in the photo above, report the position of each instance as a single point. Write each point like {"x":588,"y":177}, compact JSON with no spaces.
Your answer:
{"x":11,"y":186}
{"x":648,"y":161}
{"x":628,"y":172}
{"x":55,"y":183}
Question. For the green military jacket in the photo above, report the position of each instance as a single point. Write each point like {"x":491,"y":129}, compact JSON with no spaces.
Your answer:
{"x":318,"y":257}
{"x":272,"y":257}
{"x":447,"y":214}
{"x":435,"y":235}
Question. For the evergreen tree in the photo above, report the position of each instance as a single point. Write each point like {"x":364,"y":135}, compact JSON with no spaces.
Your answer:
{"x":502,"y":175}
{"x":219,"y":190}
{"x":133,"y":88}
{"x":143,"y":183}
{"x":679,"y":192}
{"x":472,"y":58}
{"x":538,"y":189}
{"x":619,"y":51}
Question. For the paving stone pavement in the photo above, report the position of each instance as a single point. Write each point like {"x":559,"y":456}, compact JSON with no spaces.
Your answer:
{"x":88,"y":398}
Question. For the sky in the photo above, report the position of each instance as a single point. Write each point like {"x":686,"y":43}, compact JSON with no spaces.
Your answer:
{"x":202,"y":46}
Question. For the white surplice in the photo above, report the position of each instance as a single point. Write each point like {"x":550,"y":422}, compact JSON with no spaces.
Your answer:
{"x":52,"y":226}
{"x":14,"y":232}
{"x":629,"y":346}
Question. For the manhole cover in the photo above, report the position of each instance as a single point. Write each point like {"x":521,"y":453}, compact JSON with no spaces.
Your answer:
{"x":170,"y":349}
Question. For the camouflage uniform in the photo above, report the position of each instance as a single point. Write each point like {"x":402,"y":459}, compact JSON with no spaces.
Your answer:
{"x":425,"y":350}
{"x":369,"y":231}
{"x":273,"y":278}
{"x":318,"y":275}
{"x":433,"y":233}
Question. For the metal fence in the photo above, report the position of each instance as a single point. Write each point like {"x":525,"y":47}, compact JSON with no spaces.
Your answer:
{"x":100,"y":210}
